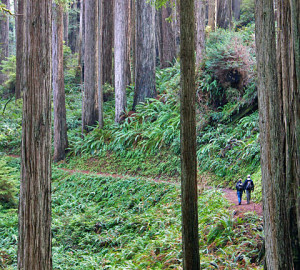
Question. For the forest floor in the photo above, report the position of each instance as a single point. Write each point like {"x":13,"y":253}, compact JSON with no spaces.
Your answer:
{"x":230,"y":194}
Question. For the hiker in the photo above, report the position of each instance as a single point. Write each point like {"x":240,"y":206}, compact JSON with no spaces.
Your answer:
{"x":240,"y":189}
{"x":248,"y":186}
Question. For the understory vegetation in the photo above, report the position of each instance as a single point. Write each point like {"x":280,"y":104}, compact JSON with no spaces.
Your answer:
{"x":132,"y":222}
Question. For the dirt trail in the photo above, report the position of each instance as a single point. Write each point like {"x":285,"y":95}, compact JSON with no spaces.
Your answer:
{"x":230,"y":194}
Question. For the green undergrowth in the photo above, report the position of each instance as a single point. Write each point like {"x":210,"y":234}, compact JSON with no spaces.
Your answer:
{"x":130,"y":223}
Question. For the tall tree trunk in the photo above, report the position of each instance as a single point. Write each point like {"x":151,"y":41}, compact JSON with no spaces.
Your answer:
{"x":189,"y":195}
{"x":100,"y":85}
{"x":20,"y":54}
{"x":60,"y":122}
{"x":168,"y":37}
{"x":90,"y":98}
{"x":211,"y":14}
{"x":132,"y":43}
{"x":34,"y":241}
{"x":107,"y":40}
{"x":120,"y":56}
{"x":4,"y":34}
{"x":236,"y":8}
{"x":278,"y":108}
{"x":74,"y":21}
{"x":145,"y":52}
{"x":200,"y":31}
{"x":224,"y":13}
{"x":158,"y":37}
{"x":66,"y":27}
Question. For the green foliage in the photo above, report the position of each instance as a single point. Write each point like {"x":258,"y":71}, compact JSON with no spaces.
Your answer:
{"x":8,"y":67}
{"x":131,"y":223}
{"x":247,"y":12}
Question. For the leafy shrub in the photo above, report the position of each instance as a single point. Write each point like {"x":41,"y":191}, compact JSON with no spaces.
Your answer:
{"x":8,"y":67}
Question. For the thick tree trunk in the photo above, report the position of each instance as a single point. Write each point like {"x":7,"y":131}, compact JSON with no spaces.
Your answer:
{"x":236,"y":8}
{"x":20,"y":54}
{"x":132,"y":43}
{"x":168,"y":38}
{"x":145,"y":52}
{"x":107,"y":40}
{"x":4,"y":38}
{"x":90,"y":98}
{"x":189,"y":195}
{"x":100,"y":86}
{"x":224,"y":13}
{"x":60,"y":141}
{"x":200,"y":31}
{"x":120,"y":56}
{"x":34,"y":241}
{"x":279,"y":161}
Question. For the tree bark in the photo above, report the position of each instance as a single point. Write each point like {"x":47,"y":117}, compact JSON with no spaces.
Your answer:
{"x":34,"y":241}
{"x":4,"y":39}
{"x":60,"y":141}
{"x":145,"y":52}
{"x":66,"y":27}
{"x":90,"y":98}
{"x":73,"y":33}
{"x":158,"y":37}
{"x":224,"y":13}
{"x":200,"y":31}
{"x":278,"y":129}
{"x":20,"y":54}
{"x":236,"y":8}
{"x":120,"y":56}
{"x":107,"y":40}
{"x":189,"y":195}
{"x":212,"y":14}
{"x":100,"y":85}
{"x":168,"y":38}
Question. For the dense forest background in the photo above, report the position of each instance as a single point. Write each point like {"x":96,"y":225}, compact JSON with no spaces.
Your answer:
{"x":115,"y":137}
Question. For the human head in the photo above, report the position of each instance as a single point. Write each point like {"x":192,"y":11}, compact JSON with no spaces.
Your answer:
{"x":240,"y":179}
{"x":248,"y":176}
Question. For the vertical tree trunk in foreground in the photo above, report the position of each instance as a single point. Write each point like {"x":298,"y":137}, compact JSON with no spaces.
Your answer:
{"x":100,"y":85}
{"x":168,"y":37}
{"x":4,"y":34}
{"x":189,"y":196}
{"x":60,"y":139}
{"x":200,"y":31}
{"x":90,"y":98}
{"x":20,"y":54}
{"x":145,"y":52}
{"x":120,"y":56}
{"x":34,"y":241}
{"x":107,"y":40}
{"x":278,"y":93}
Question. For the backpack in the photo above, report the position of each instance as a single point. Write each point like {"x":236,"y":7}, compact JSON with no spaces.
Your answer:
{"x":239,"y":186}
{"x":249,"y":185}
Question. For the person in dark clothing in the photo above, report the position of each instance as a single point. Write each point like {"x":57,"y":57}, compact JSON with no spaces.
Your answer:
{"x":248,"y":186}
{"x":240,"y":189}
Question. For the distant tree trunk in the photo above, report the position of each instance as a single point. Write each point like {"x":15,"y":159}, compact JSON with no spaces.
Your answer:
{"x":177,"y":25}
{"x":212,"y":14}
{"x":107,"y":40}
{"x":189,"y":195}
{"x":236,"y":8}
{"x":158,"y":37}
{"x":224,"y":13}
{"x":73,"y":31}
{"x":4,"y":34}
{"x":200,"y":31}
{"x":20,"y":54}
{"x":132,"y":43}
{"x":100,"y":85}
{"x":60,"y":140}
{"x":34,"y":240}
{"x":168,"y":38}
{"x":90,"y":98}
{"x":66,"y":27}
{"x":120,"y":56}
{"x":80,"y":68}
{"x":278,"y":90}
{"x":145,"y":52}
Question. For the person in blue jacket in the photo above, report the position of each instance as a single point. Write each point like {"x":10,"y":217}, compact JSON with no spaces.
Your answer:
{"x":248,"y":186}
{"x":240,"y":189}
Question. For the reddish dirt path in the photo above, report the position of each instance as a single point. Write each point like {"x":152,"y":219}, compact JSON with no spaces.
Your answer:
{"x":230,"y":194}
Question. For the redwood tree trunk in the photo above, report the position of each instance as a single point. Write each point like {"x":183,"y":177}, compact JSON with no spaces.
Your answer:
{"x":107,"y":40}
{"x":189,"y":195}
{"x":120,"y":56}
{"x":278,"y":109}
{"x":20,"y":54}
{"x":34,"y":241}
{"x":200,"y":31}
{"x":90,"y":98}
{"x":4,"y":34}
{"x":60,"y":123}
{"x":168,"y":38}
{"x":145,"y":52}
{"x":66,"y":27}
